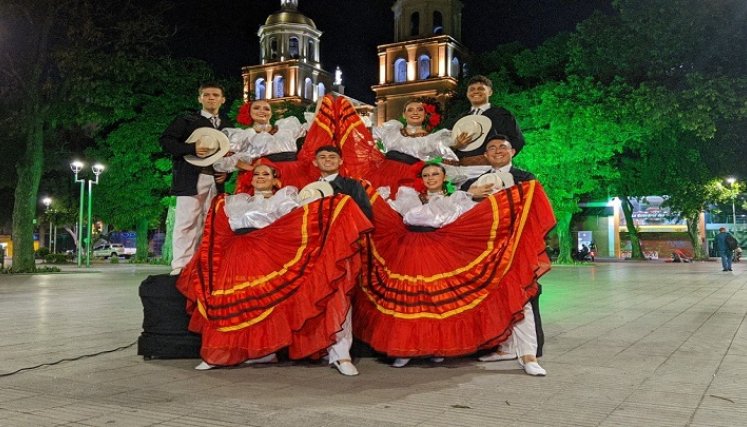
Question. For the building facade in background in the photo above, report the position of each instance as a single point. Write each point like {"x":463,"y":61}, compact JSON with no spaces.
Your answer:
{"x":426,"y":58}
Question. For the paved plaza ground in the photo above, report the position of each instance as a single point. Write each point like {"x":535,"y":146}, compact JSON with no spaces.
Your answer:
{"x":628,"y":344}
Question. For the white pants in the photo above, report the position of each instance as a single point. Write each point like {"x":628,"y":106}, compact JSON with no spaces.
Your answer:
{"x":340,"y":350}
{"x":190,"y":218}
{"x":523,"y":339}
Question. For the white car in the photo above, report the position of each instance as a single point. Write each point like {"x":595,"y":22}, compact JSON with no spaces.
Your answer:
{"x":107,"y":250}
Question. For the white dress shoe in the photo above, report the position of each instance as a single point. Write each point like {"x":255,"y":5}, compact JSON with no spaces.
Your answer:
{"x":495,"y":357}
{"x":270,"y":358}
{"x":437,"y":359}
{"x":533,"y":368}
{"x":400,"y":362}
{"x":345,"y":367}
{"x":204,"y":366}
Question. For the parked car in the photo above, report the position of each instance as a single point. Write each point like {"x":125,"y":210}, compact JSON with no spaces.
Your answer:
{"x":107,"y":250}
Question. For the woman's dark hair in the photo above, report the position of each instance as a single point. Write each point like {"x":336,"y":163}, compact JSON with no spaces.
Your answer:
{"x":427,"y":165}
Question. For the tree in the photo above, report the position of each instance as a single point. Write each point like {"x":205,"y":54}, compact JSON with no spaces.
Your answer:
{"x":130,"y":194}
{"x":573,"y":129}
{"x":65,"y":53}
{"x":684,"y":61}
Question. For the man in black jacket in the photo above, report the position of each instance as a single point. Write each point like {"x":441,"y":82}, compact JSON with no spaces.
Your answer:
{"x":503,"y":122}
{"x":193,"y":186}
{"x":527,"y":339}
{"x":329,"y":159}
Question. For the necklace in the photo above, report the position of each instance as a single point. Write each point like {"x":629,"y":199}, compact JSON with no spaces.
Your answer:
{"x":259,"y":127}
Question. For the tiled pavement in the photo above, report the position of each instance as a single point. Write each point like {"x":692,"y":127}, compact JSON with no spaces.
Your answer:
{"x":628,"y":344}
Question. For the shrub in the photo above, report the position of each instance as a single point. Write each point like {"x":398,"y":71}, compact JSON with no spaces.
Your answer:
{"x":42,"y":253}
{"x":56,"y":259}
{"x":114,"y":260}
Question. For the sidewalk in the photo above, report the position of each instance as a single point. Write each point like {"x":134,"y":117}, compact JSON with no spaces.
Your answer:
{"x":627,"y":344}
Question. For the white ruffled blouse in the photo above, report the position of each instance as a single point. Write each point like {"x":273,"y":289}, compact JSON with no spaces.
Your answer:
{"x":245,"y":211}
{"x":438,"y":212}
{"x":426,"y":147}
{"x":249,"y":145}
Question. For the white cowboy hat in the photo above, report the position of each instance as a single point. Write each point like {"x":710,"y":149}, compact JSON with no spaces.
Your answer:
{"x":315,"y":191}
{"x":476,"y":125}
{"x":215,"y":140}
{"x":500,"y":180}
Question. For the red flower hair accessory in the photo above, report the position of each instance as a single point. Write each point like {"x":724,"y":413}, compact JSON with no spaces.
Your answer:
{"x":432,"y":113}
{"x":244,"y":116}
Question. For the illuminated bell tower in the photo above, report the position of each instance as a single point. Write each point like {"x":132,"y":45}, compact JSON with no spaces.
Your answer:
{"x":426,"y":58}
{"x":290,"y":68}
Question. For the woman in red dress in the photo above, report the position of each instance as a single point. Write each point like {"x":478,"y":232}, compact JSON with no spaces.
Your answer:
{"x":408,"y":142}
{"x":282,"y":285}
{"x":449,"y":289}
{"x":277,"y":143}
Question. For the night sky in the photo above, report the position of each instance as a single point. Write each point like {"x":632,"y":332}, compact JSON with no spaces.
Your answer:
{"x":224,"y":32}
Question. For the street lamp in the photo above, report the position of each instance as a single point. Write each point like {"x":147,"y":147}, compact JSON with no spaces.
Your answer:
{"x":76,"y":166}
{"x":47,"y":203}
{"x":731,"y":181}
{"x":97,"y":169}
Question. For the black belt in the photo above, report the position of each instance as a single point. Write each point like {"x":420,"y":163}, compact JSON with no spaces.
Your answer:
{"x":245,"y":230}
{"x":401,"y":157}
{"x":420,"y":228}
{"x":287,"y":156}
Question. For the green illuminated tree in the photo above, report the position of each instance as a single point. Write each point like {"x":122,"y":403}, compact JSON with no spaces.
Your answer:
{"x":69,"y":64}
{"x":573,"y":130}
{"x":685,"y":61}
{"x":138,"y":174}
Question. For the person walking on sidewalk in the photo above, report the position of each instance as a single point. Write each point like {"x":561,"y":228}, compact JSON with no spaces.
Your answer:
{"x":723,"y":248}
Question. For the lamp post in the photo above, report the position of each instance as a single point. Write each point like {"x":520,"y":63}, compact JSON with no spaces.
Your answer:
{"x":47,"y":201}
{"x":731,"y":181}
{"x":76,"y":166}
{"x":97,"y":169}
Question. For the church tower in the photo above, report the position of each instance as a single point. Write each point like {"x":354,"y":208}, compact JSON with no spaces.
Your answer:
{"x":289,"y":69}
{"x":426,"y":58}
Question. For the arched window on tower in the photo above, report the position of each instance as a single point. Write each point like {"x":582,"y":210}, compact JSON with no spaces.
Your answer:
{"x":310,"y":51}
{"x":293,"y":48}
{"x":400,"y":70}
{"x":321,"y":90}
{"x":259,"y":88}
{"x":278,"y":87}
{"x":273,"y":48}
{"x":424,"y":67}
{"x":308,"y":89}
{"x":415,"y":24}
{"x":438,"y":23}
{"x":454,"y":72}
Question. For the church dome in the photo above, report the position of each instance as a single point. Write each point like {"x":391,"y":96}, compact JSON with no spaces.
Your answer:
{"x":289,"y":17}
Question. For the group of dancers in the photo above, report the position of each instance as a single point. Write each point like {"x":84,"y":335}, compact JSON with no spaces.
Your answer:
{"x":421,"y":243}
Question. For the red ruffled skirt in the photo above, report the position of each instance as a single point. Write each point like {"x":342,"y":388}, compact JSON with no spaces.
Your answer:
{"x":394,"y":173}
{"x":286,"y":285}
{"x":457,"y":289}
